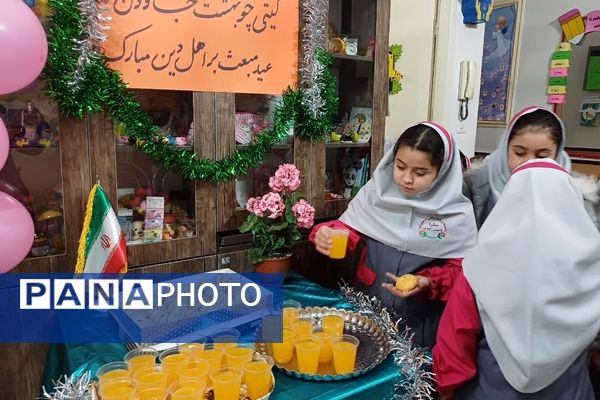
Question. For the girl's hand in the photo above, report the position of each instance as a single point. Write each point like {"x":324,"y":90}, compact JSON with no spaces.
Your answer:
{"x":323,"y":241}
{"x":423,"y":284}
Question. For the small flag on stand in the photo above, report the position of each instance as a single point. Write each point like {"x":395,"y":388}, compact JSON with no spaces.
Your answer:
{"x":102,"y":246}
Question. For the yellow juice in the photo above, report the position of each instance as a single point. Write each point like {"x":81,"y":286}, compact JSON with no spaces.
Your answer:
{"x":290,"y":315}
{"x":114,"y":374}
{"x":187,"y":390}
{"x":258,"y":379}
{"x":196,"y":371}
{"x":326,"y":352}
{"x":154,"y":379}
{"x":117,"y":392}
{"x":139,"y":362}
{"x":226,"y":385}
{"x":238,"y":355}
{"x":303,"y":327}
{"x":344,"y":357}
{"x":213,"y":357}
{"x":340,"y":243}
{"x":283,"y":352}
{"x":170,"y":365}
{"x":333,"y":324}
{"x":151,"y":394}
{"x":307,"y":353}
{"x":191,"y":348}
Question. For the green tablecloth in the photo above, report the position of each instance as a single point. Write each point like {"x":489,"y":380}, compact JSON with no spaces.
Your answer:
{"x":377,"y":384}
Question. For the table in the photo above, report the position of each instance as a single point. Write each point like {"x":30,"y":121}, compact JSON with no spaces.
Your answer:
{"x":65,"y":359}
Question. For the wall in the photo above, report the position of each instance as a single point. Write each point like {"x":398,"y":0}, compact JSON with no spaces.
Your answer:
{"x":411,"y":25}
{"x":456,"y":42}
{"x":540,"y":35}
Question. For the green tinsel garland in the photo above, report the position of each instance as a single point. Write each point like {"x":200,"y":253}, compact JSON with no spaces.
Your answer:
{"x":103,"y":88}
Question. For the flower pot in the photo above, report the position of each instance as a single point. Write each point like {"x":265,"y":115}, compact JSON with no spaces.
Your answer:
{"x":279,"y":265}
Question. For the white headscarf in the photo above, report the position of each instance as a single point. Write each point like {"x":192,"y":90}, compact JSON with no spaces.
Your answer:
{"x":498,"y":163}
{"x":536,"y":275}
{"x":437,"y":223}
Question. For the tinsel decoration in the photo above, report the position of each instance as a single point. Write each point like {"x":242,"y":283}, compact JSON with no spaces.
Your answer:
{"x":73,"y":388}
{"x":414,"y":379}
{"x":103,"y":89}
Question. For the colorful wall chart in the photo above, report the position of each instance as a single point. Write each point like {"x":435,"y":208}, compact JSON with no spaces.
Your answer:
{"x":559,"y":71}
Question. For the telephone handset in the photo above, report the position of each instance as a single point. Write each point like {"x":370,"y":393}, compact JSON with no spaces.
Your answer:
{"x":466,"y":85}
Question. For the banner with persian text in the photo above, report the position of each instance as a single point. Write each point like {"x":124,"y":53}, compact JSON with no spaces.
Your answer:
{"x":246,"y":46}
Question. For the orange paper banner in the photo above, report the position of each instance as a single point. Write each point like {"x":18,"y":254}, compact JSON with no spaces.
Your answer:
{"x":204,"y":45}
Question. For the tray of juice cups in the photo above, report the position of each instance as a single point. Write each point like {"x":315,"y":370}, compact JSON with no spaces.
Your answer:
{"x":327,"y":344}
{"x":195,"y":371}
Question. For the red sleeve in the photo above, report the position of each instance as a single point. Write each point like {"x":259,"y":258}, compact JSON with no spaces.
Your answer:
{"x":353,"y":239}
{"x":442,"y":278}
{"x":455,"y":353}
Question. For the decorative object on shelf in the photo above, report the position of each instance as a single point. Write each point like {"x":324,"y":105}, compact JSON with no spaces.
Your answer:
{"x":356,"y":171}
{"x":103,"y":88}
{"x":414,"y":380}
{"x":559,"y":71}
{"x":76,"y":387}
{"x":276,"y":218}
{"x":360,"y":124}
{"x":476,"y":11}
{"x":500,"y":49}
{"x":394,"y":54}
{"x":351,"y":47}
{"x":371,"y":48}
{"x":572,"y":25}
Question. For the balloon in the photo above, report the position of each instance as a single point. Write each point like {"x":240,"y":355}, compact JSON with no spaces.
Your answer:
{"x":12,"y":191}
{"x":3,"y":144}
{"x":16,"y":232}
{"x":23,"y":46}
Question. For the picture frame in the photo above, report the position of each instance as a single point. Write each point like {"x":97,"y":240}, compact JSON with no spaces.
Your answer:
{"x":360,"y":124}
{"x":500,"y":57}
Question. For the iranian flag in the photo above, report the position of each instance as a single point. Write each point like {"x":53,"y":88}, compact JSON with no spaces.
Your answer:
{"x":102,"y":247}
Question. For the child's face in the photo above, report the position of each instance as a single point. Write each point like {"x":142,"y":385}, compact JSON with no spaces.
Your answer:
{"x":528,"y":144}
{"x":413,"y":171}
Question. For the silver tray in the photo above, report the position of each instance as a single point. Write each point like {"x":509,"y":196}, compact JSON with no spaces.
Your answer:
{"x":373,"y":349}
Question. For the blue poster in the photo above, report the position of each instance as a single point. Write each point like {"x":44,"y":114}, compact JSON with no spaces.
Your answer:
{"x":498,"y":46}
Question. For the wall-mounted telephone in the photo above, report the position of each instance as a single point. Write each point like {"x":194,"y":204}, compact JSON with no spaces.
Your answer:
{"x":466,"y":84}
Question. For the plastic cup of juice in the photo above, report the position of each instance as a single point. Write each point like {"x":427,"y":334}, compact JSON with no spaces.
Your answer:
{"x":326,"y":339}
{"x":283,"y":352}
{"x":140,"y":358}
{"x":187,"y":390}
{"x":303,"y":327}
{"x":238,"y":355}
{"x":151,"y":377}
{"x":212,"y":355}
{"x":227,"y":382}
{"x":225,"y":339}
{"x":333,"y":324}
{"x":117,"y":389}
{"x":111,"y":371}
{"x":151,"y":394}
{"x":257,"y":373}
{"x":339,"y":237}
{"x":170,"y":360}
{"x":308,"y":351}
{"x":344,"y":354}
{"x":193,"y":370}
{"x":291,"y":312}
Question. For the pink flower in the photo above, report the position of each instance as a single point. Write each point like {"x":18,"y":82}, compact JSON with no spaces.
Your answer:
{"x":253,"y":205}
{"x":287,"y":178}
{"x":273,"y":203}
{"x":305,"y":214}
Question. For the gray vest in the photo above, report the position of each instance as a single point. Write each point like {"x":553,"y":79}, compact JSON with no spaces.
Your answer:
{"x":420,"y":314}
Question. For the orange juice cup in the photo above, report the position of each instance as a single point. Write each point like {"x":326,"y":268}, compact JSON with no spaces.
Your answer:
{"x":291,"y":312}
{"x":187,"y":390}
{"x":212,"y":355}
{"x":257,"y":373}
{"x":194,"y":370}
{"x":117,"y":389}
{"x":227,"y":382}
{"x":150,"y":378}
{"x":283,"y":352}
{"x":307,"y":353}
{"x":225,"y":339}
{"x":333,"y":324}
{"x":303,"y":327}
{"x":170,"y":360}
{"x":344,"y":354}
{"x":151,"y":394}
{"x":238,"y":355}
{"x":112,"y":371}
{"x":140,"y":358}
{"x":326,"y":339}
{"x":339,"y":237}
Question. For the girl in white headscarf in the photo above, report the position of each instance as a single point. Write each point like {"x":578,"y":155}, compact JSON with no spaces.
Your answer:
{"x":413,"y":219}
{"x":518,"y":323}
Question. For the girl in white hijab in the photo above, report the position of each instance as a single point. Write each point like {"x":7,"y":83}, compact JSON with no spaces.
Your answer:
{"x":413,"y":218}
{"x":519,"y":325}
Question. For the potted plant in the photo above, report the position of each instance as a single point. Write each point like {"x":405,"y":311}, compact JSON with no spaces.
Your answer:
{"x":275,"y":219}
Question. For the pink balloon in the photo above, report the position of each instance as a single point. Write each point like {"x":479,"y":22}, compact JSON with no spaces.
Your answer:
{"x":12,"y":191}
{"x":23,"y":46}
{"x":16,"y":232}
{"x":3,"y":144}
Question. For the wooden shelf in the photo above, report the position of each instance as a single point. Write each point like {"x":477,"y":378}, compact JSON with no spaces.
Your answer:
{"x":348,"y":57}
{"x":280,"y":146}
{"x":343,"y":145}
